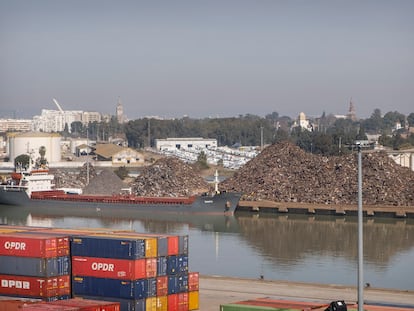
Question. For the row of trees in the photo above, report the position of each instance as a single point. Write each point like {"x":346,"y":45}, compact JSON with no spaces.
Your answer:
{"x":330,"y":135}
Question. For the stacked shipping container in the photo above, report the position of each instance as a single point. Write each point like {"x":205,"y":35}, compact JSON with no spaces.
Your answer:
{"x":139,"y":271}
{"x":34,"y":265}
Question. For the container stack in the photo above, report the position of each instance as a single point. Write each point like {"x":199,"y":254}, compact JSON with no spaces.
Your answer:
{"x":137,"y":271}
{"x":34,"y":265}
{"x":141,"y":271}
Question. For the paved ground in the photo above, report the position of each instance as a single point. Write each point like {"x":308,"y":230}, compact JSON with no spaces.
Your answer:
{"x":215,"y":291}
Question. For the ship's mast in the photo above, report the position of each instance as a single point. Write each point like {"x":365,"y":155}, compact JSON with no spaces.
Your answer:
{"x":216,"y":182}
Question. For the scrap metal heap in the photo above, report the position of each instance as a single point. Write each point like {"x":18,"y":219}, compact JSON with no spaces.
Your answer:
{"x":285,"y":173}
{"x":169,"y":177}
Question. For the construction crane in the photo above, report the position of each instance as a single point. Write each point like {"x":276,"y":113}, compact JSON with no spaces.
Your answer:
{"x":57,"y":104}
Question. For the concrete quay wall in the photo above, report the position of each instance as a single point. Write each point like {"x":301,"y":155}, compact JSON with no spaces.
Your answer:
{"x":325,"y":209}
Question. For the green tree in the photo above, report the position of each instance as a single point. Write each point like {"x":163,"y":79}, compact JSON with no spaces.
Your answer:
{"x":322,"y":144}
{"x":22,"y":160}
{"x":202,"y":160}
{"x":375,"y":123}
{"x":42,"y":152}
{"x":121,"y":172}
{"x":410,"y":119}
{"x":76,"y":127}
{"x":391,"y":118}
{"x":280,"y":135}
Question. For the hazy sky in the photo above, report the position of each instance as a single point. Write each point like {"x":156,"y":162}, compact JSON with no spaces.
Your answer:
{"x":207,"y":58}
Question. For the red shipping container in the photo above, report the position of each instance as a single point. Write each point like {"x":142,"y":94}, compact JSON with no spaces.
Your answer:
{"x":172,"y":302}
{"x":27,"y":286}
{"x":30,"y":245}
{"x":151,"y":267}
{"x":178,"y":302}
{"x":173,"y":245}
{"x":121,"y":269}
{"x":63,"y":240}
{"x":162,"y":285}
{"x":12,"y":305}
{"x":183,"y":301}
{"x":47,"y":307}
{"x":89,"y":304}
{"x":193,"y":281}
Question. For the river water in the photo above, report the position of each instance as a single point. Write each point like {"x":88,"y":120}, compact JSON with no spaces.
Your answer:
{"x":320,"y":249}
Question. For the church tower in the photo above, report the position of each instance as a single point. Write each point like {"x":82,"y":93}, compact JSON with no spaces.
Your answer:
{"x":351,"y":112}
{"x":119,"y":111}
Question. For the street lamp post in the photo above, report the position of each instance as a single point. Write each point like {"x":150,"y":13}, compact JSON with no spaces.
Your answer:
{"x":360,"y":236}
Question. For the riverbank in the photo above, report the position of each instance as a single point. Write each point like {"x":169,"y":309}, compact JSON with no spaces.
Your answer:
{"x":216,"y":291}
{"x":264,"y":206}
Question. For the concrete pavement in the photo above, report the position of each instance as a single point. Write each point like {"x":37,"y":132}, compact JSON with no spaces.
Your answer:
{"x":215,"y":291}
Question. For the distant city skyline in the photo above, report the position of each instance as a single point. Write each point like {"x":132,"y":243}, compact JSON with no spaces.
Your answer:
{"x":207,"y":58}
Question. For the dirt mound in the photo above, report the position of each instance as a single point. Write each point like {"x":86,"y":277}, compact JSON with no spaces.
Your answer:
{"x":105,"y":183}
{"x":101,"y":182}
{"x":285,"y":173}
{"x":169,"y":177}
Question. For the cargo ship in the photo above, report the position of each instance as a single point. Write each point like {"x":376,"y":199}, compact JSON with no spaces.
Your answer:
{"x":35,"y":188}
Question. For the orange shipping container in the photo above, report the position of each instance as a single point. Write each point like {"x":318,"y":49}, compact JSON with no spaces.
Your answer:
{"x":151,"y":304}
{"x":162,"y":303}
{"x":193,"y":300}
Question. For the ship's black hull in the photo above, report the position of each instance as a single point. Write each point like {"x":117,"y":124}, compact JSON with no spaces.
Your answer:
{"x":225,"y":202}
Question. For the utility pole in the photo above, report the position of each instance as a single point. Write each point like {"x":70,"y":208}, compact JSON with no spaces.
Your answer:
{"x":149,"y":134}
{"x":261,"y":137}
{"x":87,"y":156}
{"x":340,"y":145}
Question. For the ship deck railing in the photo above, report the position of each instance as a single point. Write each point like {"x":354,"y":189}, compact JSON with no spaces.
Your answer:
{"x":58,"y":195}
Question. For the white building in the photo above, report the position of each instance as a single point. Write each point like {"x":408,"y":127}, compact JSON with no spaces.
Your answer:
{"x":404,"y":158}
{"x":55,"y":120}
{"x":171,"y":144}
{"x":118,"y":155}
{"x":30,"y":143}
{"x":303,"y":123}
{"x":16,"y":125}
{"x":91,"y":116}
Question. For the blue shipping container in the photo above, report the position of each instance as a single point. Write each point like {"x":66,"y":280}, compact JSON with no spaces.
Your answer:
{"x":177,"y":283}
{"x":161,"y":266}
{"x":172,"y":265}
{"x":108,"y":247}
{"x":92,"y":286}
{"x":38,"y":267}
{"x":182,"y":264}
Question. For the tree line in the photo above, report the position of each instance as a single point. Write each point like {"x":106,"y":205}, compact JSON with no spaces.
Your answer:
{"x":330,"y":135}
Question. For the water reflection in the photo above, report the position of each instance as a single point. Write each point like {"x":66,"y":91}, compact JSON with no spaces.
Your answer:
{"x":293,"y":247}
{"x":298,"y":236}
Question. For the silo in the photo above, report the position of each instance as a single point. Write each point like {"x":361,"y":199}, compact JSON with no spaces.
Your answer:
{"x":30,"y":143}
